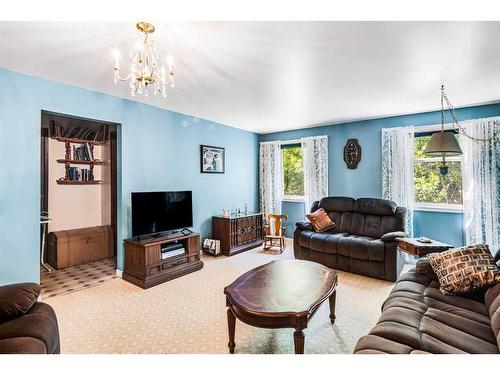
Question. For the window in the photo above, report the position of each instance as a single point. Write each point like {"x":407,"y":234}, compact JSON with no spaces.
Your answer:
{"x":293,"y":172}
{"x":432,"y":190}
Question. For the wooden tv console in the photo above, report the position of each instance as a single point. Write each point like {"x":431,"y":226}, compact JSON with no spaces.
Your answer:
{"x":145,"y":268}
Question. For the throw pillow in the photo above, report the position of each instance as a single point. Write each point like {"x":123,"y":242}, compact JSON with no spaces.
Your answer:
{"x":465,"y":269}
{"x":320,"y":220}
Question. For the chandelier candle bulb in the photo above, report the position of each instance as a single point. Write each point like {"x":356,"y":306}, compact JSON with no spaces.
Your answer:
{"x":170,"y":61}
{"x":116,"y":55}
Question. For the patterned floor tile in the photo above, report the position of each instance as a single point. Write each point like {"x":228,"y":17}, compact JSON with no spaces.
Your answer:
{"x":69,"y":280}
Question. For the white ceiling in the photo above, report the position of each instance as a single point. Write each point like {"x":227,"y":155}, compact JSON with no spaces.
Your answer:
{"x":272,"y":76}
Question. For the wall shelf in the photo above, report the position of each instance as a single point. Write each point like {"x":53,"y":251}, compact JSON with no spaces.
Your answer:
{"x":70,"y":161}
{"x":78,"y":182}
{"x":77,"y":140}
{"x":86,"y":153}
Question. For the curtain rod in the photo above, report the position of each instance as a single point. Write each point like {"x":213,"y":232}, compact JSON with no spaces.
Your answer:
{"x":292,"y":141}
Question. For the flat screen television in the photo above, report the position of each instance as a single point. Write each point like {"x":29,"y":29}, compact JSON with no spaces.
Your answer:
{"x":156,"y":212}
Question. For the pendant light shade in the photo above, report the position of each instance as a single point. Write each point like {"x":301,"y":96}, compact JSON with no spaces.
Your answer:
{"x":443,"y":143}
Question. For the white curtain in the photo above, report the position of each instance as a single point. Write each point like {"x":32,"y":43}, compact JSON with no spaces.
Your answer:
{"x":315,"y":164}
{"x":397,"y":168}
{"x":481,"y":182}
{"x":270,"y":178}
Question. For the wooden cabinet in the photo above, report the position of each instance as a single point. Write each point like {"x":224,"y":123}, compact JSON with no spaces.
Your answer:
{"x":145,"y":268}
{"x":69,"y":248}
{"x":238,"y":233}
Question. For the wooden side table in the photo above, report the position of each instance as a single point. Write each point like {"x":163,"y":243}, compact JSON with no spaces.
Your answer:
{"x":419,"y":249}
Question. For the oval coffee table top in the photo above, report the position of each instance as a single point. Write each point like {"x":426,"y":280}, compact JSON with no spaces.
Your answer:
{"x":283,"y":286}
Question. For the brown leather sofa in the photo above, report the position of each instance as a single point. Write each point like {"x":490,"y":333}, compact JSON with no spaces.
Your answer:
{"x":26,"y":326}
{"x":363,"y":240}
{"x":418,"y":318}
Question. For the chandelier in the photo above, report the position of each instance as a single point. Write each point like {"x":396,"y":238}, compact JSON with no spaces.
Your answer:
{"x":443,"y":142}
{"x":146,"y":70}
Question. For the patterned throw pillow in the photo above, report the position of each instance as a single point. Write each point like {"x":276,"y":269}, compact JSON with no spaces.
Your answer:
{"x":465,"y":269}
{"x":320,"y":220}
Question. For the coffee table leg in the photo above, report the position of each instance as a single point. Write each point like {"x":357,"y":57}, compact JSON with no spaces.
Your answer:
{"x":231,"y":323}
{"x":332,"y":306}
{"x":298,"y":338}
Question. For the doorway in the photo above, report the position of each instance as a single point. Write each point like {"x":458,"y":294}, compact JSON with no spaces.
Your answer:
{"x":78,"y":200}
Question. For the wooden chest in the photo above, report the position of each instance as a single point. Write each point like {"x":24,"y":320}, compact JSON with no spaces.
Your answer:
{"x":238,"y":233}
{"x":68,"y":248}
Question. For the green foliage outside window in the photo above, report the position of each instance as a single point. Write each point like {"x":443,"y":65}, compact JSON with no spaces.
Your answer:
{"x":430,"y":186}
{"x":293,"y":173}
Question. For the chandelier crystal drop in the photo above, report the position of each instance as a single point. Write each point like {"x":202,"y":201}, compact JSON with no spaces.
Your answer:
{"x":147,"y":73}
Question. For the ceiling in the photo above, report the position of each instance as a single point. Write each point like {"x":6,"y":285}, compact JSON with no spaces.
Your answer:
{"x":273,"y":76}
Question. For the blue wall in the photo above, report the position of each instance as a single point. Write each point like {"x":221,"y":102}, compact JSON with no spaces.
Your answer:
{"x":366,"y":180}
{"x":441,"y":226}
{"x":158,"y":150}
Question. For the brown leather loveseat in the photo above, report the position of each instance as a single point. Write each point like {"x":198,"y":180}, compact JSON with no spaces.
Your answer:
{"x":26,"y":326}
{"x":363,"y":240}
{"x":418,"y":318}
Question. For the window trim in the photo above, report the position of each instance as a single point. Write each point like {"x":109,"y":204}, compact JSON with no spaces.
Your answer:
{"x":428,"y":206}
{"x":286,"y":197}
{"x":294,"y":198}
{"x":438,"y":207}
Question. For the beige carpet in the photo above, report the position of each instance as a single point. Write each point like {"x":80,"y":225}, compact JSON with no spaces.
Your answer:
{"x":188,"y":315}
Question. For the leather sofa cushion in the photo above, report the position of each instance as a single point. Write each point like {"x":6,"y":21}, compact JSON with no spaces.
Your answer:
{"x":343,"y":221}
{"x":351,"y":246}
{"x":368,"y":343}
{"x":325,"y":242}
{"x":391,"y":236}
{"x":22,"y":345}
{"x":361,"y":247}
{"x":375,"y":206}
{"x":338,"y":204}
{"x":492,"y":303}
{"x":39,"y":323}
{"x":418,"y":316}
{"x":17,"y":299}
{"x":366,"y":225}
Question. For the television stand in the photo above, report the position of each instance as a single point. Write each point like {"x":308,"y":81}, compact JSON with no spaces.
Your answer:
{"x":144,"y":266}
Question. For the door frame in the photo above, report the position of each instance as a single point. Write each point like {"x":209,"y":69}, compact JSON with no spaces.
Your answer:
{"x":114,"y":140}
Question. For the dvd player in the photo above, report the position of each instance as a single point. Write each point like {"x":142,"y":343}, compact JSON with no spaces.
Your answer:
{"x":171,"y":246}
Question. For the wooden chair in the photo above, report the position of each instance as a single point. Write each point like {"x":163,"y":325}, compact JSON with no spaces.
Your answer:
{"x":278,"y":236}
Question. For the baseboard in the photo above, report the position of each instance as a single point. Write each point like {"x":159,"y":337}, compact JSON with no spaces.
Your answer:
{"x":119,"y":273}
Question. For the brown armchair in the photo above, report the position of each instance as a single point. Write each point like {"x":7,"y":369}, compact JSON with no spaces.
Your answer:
{"x":26,"y":326}
{"x":278,"y":223}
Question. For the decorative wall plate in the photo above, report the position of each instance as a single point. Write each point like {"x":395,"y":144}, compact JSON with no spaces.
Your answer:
{"x":352,"y":153}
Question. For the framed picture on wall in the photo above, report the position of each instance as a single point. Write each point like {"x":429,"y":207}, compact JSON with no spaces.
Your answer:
{"x":212,"y":159}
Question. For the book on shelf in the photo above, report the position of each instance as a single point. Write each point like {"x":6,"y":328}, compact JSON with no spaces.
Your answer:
{"x":89,"y":152}
{"x":83,"y":152}
{"x":77,"y":132}
{"x":83,"y":174}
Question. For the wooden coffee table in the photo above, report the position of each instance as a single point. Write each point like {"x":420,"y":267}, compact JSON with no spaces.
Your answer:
{"x":280,"y":294}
